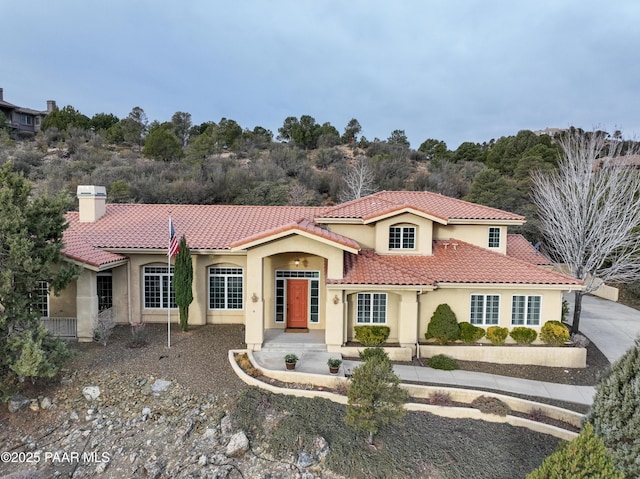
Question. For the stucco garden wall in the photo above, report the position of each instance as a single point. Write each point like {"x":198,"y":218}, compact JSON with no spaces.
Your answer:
{"x":561,"y":357}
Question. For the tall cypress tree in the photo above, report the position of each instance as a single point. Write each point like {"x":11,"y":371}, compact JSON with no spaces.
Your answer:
{"x":183,"y":280}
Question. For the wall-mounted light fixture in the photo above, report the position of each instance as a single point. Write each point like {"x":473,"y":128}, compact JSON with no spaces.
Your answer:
{"x":336,"y":300}
{"x":296,"y":261}
{"x":254,"y":297}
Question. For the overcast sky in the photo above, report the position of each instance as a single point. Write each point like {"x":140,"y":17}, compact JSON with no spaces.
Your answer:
{"x":451,"y":70}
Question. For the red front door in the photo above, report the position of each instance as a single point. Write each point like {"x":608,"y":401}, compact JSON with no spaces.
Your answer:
{"x":297,"y":303}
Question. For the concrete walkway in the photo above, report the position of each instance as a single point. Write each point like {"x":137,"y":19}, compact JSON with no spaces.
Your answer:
{"x":316,"y":363}
{"x":612,"y":326}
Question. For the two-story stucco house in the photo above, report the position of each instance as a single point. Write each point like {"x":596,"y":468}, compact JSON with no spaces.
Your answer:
{"x":389,"y":258}
{"x":23,"y":120}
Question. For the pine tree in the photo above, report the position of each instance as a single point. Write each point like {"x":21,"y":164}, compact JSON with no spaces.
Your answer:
{"x":614,"y":413}
{"x":583,"y":458}
{"x":30,"y":243}
{"x":375,"y":397}
{"x":183,"y":279}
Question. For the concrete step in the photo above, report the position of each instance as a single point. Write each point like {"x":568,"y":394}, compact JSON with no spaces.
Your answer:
{"x":293,"y":347}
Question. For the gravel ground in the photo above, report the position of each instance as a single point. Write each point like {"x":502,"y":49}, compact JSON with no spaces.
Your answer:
{"x":197,"y":358}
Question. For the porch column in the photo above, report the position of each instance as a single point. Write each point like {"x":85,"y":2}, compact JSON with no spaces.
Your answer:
{"x":254,"y":302}
{"x":408,"y":320}
{"x":86,"y":304}
{"x":198,"y":307}
{"x":334,"y":320}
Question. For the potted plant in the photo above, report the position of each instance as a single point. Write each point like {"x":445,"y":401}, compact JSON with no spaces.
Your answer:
{"x":334,"y":365}
{"x":290,"y":361}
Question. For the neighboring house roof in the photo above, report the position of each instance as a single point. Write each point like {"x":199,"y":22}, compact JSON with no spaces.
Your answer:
{"x":518,"y":247}
{"x":431,"y":204}
{"x":30,"y":111}
{"x":452,"y":262}
{"x":6,"y":104}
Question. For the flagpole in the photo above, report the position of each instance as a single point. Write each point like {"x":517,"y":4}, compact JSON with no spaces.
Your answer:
{"x":169,"y":291}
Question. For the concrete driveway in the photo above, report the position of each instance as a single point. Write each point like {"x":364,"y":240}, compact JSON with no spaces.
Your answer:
{"x":613,"y":327}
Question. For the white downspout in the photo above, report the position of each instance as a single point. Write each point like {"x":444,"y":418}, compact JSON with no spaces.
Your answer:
{"x":418,"y":294}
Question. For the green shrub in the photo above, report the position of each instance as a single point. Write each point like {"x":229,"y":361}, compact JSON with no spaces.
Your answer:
{"x":497,"y":335}
{"x":490,"y":405}
{"x":614,"y":413}
{"x":522,"y":335}
{"x":470,"y":333}
{"x":554,"y":333}
{"x":440,"y":361}
{"x":584,"y":457}
{"x":372,"y":335}
{"x":374,"y":353}
{"x":443,"y":325}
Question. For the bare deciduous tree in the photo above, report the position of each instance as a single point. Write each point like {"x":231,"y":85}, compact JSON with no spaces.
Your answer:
{"x":358,"y":180}
{"x":589,"y":212}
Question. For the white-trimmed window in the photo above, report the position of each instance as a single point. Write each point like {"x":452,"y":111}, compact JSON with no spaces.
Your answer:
{"x":494,"y":237}
{"x":226,"y":288}
{"x":371,"y":308}
{"x":41,"y":299}
{"x":526,"y":310}
{"x":158,"y":280}
{"x":402,"y":237}
{"x":485,"y":309}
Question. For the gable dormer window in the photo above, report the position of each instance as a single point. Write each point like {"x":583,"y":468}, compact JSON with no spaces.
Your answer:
{"x":402,"y":237}
{"x":494,"y":237}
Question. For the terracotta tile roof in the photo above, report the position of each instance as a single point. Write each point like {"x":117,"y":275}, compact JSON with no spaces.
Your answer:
{"x":518,"y":247}
{"x":78,"y":249}
{"x":452,"y":262}
{"x":301,"y":225}
{"x":429,"y":203}
{"x":145,"y":226}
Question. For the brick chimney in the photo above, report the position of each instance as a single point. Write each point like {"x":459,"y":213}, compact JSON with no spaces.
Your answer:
{"x":1,"y":94}
{"x":51,"y":105}
{"x":92,"y":202}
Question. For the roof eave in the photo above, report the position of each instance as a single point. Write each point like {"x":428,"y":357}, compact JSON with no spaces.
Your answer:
{"x":240,"y":246}
{"x":487,"y":221}
{"x":545,"y":286}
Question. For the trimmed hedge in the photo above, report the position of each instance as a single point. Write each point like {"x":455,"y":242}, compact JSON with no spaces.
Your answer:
{"x":372,"y":335}
{"x":374,"y":353}
{"x":470,"y":333}
{"x":443,"y":325}
{"x":554,"y":333}
{"x":440,"y":361}
{"x":497,"y":335}
{"x":523,"y":335}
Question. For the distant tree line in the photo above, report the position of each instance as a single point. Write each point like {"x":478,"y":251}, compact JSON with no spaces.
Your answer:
{"x":306,"y":163}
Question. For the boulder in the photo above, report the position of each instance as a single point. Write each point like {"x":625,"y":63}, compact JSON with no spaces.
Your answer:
{"x":17,"y":402}
{"x":159,"y":386}
{"x":238,"y":445}
{"x":91,"y":393}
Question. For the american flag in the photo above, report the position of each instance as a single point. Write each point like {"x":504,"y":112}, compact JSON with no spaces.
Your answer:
{"x":173,"y":240}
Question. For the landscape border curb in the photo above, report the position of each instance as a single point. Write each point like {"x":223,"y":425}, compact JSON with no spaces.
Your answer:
{"x":322,"y":380}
